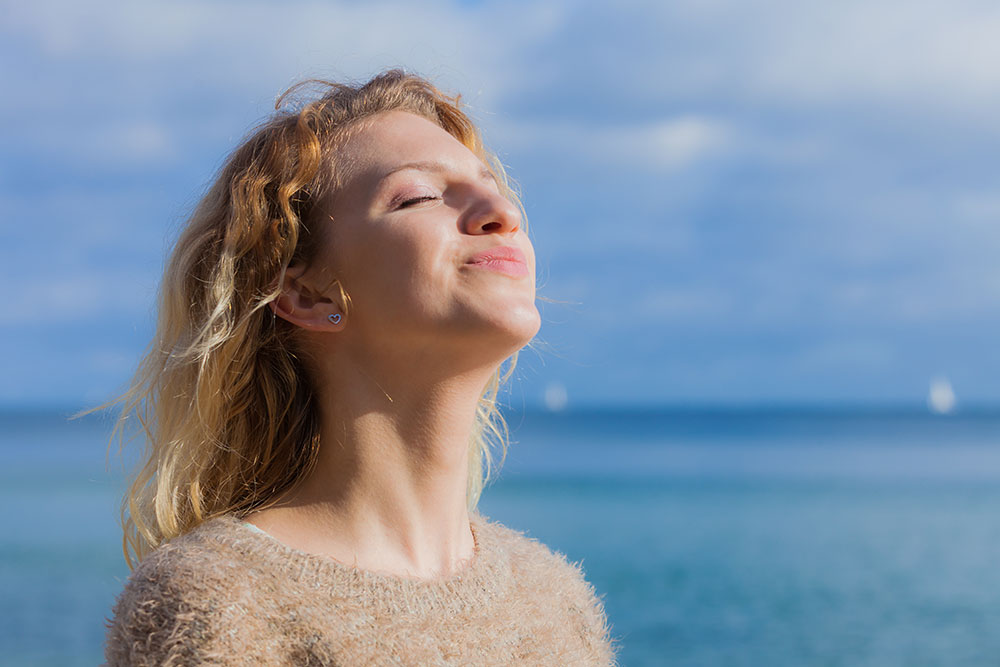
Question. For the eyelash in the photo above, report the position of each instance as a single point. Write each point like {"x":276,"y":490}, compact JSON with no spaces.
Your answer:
{"x":415,"y":200}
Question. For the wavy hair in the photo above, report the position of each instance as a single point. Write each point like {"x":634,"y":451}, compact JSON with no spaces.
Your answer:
{"x":221,"y":400}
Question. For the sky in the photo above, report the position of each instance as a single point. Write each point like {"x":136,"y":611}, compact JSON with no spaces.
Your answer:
{"x":768,"y":202}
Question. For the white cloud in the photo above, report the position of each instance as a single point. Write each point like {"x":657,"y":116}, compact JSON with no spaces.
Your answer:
{"x":794,"y":140}
{"x":139,"y":141}
{"x":934,"y":53}
{"x":980,"y":208}
{"x":669,"y":143}
{"x":942,"y":55}
{"x":691,"y":305}
{"x":833,"y":354}
{"x":118,"y":143}
{"x":680,"y":141}
{"x":61,"y":300}
{"x":885,"y":56}
{"x":256,"y":48}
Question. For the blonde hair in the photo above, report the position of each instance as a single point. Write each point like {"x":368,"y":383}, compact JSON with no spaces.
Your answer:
{"x":222,"y":401}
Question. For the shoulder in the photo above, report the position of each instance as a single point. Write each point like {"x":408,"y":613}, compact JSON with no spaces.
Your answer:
{"x":194,"y":568}
{"x":556,"y":590}
{"x":531,"y":559}
{"x":181,"y":604}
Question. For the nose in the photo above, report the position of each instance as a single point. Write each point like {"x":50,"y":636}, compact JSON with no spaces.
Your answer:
{"x":492,"y":213}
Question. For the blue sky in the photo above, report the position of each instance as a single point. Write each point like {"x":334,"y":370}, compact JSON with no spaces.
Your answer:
{"x":731,"y":202}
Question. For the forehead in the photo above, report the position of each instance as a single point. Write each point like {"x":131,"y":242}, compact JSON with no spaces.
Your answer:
{"x":385,"y":143}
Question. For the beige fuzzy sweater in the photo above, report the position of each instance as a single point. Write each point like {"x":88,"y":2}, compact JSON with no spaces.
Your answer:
{"x":226,"y":593}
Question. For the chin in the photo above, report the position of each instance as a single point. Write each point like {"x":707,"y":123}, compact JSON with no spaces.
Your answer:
{"x":490,"y":337}
{"x":512,"y":323}
{"x":522,"y":323}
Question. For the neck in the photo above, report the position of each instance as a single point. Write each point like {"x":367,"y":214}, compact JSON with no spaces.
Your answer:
{"x":389,"y":491}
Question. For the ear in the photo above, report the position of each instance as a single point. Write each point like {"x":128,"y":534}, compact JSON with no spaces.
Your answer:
{"x":304,"y":306}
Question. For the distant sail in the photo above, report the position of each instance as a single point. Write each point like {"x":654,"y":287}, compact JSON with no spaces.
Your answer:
{"x":941,"y":398}
{"x":555,"y":397}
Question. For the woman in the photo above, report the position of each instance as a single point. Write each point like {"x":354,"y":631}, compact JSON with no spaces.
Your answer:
{"x":319,"y":402}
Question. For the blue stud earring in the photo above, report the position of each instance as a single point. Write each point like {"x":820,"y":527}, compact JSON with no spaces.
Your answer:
{"x":334,"y":317}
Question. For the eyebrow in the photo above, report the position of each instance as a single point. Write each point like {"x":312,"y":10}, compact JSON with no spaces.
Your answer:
{"x":437,"y":167}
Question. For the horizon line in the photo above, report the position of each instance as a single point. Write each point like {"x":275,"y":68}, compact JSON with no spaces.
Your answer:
{"x":761,"y":406}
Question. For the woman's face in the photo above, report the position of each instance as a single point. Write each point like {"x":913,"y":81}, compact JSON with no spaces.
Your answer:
{"x":403,"y":232}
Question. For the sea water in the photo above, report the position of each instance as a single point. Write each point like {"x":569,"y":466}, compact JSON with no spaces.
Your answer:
{"x":743,"y":537}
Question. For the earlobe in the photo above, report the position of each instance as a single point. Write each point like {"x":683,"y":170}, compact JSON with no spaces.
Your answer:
{"x":302,"y":305}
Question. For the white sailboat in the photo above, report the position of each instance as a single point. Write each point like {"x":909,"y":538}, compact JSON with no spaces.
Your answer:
{"x":555,"y":397}
{"x":941,"y":397}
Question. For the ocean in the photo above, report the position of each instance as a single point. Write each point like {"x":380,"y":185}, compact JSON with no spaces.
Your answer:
{"x":715,"y":537}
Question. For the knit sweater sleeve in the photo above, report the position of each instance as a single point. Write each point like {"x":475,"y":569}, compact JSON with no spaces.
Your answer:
{"x":170,"y":613}
{"x":563,"y":586}
{"x":588,"y":608}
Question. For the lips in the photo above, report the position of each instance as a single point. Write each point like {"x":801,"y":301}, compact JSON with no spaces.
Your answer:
{"x":503,"y":259}
{"x":502,"y":253}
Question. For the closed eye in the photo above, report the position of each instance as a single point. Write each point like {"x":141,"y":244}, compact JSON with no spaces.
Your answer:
{"x":416,"y":200}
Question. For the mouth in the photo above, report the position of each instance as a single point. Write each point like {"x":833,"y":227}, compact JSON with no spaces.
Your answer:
{"x":506,"y":266}
{"x":504,"y":259}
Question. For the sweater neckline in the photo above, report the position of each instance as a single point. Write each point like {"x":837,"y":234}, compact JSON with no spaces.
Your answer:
{"x":484,"y":576}
{"x":466,"y":565}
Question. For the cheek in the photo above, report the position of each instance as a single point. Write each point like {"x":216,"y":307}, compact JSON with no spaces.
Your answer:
{"x":396,"y":266}
{"x":423,"y":262}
